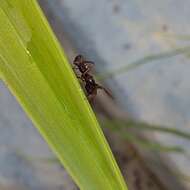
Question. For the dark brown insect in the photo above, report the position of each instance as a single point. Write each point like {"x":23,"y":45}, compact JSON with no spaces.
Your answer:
{"x":82,"y":65}
{"x":90,"y":85}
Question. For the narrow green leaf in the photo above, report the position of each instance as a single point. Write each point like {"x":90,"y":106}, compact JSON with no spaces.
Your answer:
{"x":37,"y":72}
{"x":149,"y":127}
{"x":118,"y":126}
{"x":168,"y":130}
{"x":143,"y":61}
{"x":151,"y":144}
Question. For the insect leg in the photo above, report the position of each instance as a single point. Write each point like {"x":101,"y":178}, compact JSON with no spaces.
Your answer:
{"x":105,"y":90}
{"x":75,"y":67}
{"x":91,"y":97}
{"x":89,"y":62}
{"x":87,"y":70}
{"x":81,"y":78}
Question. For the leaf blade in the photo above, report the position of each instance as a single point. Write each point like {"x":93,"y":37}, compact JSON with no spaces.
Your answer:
{"x":39,"y":75}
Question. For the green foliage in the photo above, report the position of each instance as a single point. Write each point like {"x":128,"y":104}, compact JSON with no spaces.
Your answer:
{"x":122,"y":126}
{"x":147,"y":59}
{"x":155,"y":128}
{"x":37,"y":72}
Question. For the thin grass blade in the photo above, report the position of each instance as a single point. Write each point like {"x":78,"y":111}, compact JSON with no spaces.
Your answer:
{"x":147,"y":59}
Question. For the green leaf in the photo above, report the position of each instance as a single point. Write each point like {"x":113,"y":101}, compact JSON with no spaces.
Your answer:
{"x":147,"y":59}
{"x":151,"y":145}
{"x":37,"y":72}
{"x":155,"y":128}
{"x":119,"y":126}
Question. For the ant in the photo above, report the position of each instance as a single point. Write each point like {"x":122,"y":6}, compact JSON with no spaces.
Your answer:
{"x":82,"y":65}
{"x":90,"y":85}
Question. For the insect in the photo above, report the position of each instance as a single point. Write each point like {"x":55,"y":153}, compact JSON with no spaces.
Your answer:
{"x":89,"y":83}
{"x":82,"y":65}
{"x":92,"y":87}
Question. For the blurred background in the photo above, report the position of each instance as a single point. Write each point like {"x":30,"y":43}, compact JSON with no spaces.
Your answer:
{"x":141,"y":51}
